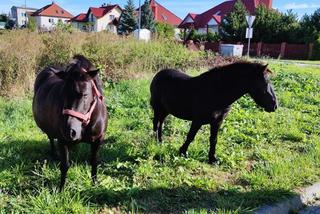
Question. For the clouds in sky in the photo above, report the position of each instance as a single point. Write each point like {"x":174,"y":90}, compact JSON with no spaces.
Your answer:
{"x":297,"y":6}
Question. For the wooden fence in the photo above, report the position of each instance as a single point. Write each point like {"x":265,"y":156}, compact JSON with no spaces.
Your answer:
{"x":282,"y":50}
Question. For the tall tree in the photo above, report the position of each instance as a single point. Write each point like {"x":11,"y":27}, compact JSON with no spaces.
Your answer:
{"x":310,"y":26}
{"x":233,"y":26}
{"x":147,"y":17}
{"x":272,"y":26}
{"x":128,"y":22}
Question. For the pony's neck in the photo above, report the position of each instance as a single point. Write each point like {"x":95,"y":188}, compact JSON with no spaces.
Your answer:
{"x":235,"y":84}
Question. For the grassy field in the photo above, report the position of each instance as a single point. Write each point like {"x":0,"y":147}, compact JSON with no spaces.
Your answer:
{"x":263,"y":157}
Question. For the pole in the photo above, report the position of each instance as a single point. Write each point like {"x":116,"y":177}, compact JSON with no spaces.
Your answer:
{"x":139,"y":24}
{"x":248,"y":47}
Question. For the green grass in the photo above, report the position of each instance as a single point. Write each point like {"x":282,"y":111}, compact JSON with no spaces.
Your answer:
{"x":263,"y":157}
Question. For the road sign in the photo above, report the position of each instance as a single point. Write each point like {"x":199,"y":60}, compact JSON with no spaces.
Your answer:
{"x":249,"y":33}
{"x":250,"y":19}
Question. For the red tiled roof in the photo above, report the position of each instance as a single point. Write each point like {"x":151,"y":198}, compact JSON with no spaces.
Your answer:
{"x":99,"y":12}
{"x":219,"y":11}
{"x":163,"y":15}
{"x":82,"y":17}
{"x":53,"y":10}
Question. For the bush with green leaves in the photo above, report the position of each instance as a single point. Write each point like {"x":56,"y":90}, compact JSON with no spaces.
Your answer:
{"x":32,"y":24}
{"x":164,"y":30}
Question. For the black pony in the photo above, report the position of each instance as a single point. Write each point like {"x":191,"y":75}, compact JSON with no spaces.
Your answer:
{"x":207,"y":98}
{"x":69,"y":106}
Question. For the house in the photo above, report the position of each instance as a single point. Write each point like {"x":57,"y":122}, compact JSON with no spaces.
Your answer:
{"x":163,"y":15}
{"x":211,"y":19}
{"x":20,"y":15}
{"x":48,"y":16}
{"x":98,"y":19}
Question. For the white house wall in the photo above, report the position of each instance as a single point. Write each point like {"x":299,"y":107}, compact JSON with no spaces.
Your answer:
{"x":105,"y":23}
{"x":44,"y":24}
{"x":20,"y":16}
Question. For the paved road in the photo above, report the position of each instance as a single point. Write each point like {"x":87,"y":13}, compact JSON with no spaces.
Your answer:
{"x":313,"y":208}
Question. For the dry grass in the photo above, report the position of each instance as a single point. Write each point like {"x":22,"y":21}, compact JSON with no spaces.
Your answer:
{"x":23,"y":53}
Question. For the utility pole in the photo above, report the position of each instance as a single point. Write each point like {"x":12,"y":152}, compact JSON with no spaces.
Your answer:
{"x":139,"y":23}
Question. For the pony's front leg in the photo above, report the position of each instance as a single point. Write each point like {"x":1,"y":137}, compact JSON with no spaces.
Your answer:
{"x":214,"y":128}
{"x":195,"y":126}
{"x":64,"y":165}
{"x":93,"y":160}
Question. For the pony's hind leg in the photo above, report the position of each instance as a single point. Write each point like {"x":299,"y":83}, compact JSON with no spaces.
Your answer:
{"x":195,"y":126}
{"x":158,"y":119}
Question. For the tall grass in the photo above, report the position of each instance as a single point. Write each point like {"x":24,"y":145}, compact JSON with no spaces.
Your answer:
{"x":19,"y":53}
{"x":24,"y":53}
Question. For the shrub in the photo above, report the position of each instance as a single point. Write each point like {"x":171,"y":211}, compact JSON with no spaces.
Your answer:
{"x":32,"y":25}
{"x":164,"y":30}
{"x":23,"y":53}
{"x":19,"y":52}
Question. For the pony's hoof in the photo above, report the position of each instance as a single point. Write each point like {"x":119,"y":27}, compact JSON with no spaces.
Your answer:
{"x":213,"y":161}
{"x":183,"y":153}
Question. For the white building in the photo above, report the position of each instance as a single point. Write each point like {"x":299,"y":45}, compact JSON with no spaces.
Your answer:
{"x":21,"y":15}
{"x":98,"y":19}
{"x":48,"y":16}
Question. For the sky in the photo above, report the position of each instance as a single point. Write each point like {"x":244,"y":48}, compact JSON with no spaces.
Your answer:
{"x":180,"y":7}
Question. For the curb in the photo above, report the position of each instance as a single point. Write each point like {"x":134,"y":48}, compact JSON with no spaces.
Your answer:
{"x":295,"y":203}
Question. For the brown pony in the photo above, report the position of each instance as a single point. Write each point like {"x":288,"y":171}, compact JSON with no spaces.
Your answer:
{"x":69,"y":106}
{"x":207,"y":98}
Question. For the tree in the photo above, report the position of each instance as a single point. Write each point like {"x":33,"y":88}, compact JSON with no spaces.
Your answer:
{"x":3,"y":18}
{"x":32,"y":25}
{"x":147,"y":17}
{"x":310,"y":27}
{"x":233,"y":26}
{"x":272,"y":26}
{"x":128,"y":22}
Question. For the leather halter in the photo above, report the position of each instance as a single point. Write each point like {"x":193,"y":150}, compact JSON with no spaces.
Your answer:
{"x":85,"y":118}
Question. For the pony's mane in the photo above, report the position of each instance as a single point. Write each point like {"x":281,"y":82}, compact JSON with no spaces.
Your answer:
{"x":238,"y":66}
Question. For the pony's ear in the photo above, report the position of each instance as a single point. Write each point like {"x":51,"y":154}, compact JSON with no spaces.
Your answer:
{"x":93,"y":73}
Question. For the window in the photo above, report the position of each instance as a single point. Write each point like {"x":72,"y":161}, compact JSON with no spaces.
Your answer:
{"x":51,"y":20}
{"x":23,"y":14}
{"x":57,"y":11}
{"x":111,"y":17}
{"x":164,"y":17}
{"x":62,"y":11}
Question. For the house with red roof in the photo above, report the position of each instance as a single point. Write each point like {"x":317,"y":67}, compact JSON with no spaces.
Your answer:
{"x":163,"y":15}
{"x":211,"y":19}
{"x":48,"y":16}
{"x":98,"y":19}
